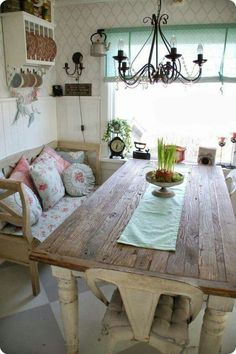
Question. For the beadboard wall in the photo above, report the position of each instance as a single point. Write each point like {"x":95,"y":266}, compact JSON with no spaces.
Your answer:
{"x":16,"y":137}
{"x":72,"y":112}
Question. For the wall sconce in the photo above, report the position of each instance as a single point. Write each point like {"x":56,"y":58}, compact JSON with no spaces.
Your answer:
{"x":77,"y":58}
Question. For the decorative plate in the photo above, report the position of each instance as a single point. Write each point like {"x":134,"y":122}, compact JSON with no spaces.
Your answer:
{"x":52,"y":48}
{"x":40,"y":51}
{"x":31,"y":45}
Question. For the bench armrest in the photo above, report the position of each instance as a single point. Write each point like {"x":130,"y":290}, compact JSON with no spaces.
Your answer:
{"x":11,"y":187}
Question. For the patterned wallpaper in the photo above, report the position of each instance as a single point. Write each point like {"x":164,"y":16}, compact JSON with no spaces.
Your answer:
{"x":76,"y":23}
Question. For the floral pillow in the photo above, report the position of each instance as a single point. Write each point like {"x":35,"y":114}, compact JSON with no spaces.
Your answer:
{"x":48,"y":182}
{"x":14,"y":202}
{"x":78,"y":180}
{"x":21,"y":173}
{"x":49,"y":153}
{"x":72,"y":156}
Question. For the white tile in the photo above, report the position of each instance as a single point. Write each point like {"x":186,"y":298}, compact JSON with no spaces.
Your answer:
{"x":16,"y":292}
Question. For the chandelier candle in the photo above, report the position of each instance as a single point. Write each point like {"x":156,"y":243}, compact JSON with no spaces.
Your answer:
{"x":166,"y":71}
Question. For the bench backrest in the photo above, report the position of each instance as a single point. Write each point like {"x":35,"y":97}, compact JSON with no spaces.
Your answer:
{"x":92,"y":152}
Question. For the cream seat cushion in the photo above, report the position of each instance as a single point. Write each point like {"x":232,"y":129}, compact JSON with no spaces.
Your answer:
{"x":170,"y":321}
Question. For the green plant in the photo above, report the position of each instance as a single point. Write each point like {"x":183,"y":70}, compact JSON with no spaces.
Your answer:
{"x":120,"y":127}
{"x":165,"y":164}
{"x":166,"y":156}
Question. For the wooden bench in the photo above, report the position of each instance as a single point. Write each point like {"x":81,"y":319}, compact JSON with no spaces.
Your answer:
{"x":14,"y":248}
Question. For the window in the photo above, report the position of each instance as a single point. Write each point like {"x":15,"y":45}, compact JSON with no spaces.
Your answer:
{"x":187,"y":116}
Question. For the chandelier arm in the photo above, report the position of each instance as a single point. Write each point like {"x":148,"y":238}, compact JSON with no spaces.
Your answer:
{"x":183,"y":79}
{"x":136,"y":76}
{"x":154,"y":42}
{"x":164,"y":19}
{"x":168,"y":70}
{"x":132,"y":77}
{"x":142,"y":47}
{"x":158,"y":8}
{"x":147,"y":19}
{"x":178,"y":69}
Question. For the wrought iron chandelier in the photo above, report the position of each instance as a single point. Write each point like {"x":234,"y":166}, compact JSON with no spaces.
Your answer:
{"x":166,"y":71}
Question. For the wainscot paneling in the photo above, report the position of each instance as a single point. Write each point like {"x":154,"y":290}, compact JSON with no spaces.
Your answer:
{"x":69,"y":113}
{"x":15,"y":137}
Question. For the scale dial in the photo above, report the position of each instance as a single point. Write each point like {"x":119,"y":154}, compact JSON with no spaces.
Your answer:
{"x":117,"y":147}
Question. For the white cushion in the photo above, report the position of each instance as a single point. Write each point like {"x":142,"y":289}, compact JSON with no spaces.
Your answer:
{"x":48,"y":182}
{"x":78,"y":179}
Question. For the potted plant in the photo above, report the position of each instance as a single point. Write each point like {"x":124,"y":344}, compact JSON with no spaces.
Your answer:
{"x":120,"y":127}
{"x":166,"y":162}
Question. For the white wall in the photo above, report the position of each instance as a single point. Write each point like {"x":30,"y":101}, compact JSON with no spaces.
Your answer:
{"x":69,"y":117}
{"x":15,"y":137}
{"x":18,"y":137}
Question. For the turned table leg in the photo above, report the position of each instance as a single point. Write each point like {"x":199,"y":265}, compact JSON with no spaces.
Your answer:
{"x":213,"y":326}
{"x":68,"y":297}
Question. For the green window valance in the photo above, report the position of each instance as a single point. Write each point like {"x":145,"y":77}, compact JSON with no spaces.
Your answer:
{"x":219,"y":43}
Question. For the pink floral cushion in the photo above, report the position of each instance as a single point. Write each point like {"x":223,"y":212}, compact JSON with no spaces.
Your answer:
{"x":14,"y":202}
{"x":47,"y":152}
{"x":48,"y":182}
{"x":21,"y":173}
{"x":78,"y":180}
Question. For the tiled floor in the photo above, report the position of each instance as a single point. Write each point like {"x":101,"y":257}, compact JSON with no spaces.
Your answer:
{"x":32,"y":325}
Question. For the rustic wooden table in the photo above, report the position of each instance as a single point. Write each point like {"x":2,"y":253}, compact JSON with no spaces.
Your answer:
{"x":204,"y":256}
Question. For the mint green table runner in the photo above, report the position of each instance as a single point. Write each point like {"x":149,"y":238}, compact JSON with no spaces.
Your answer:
{"x":155,"y":222}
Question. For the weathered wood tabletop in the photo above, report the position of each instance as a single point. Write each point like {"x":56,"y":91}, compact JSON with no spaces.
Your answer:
{"x":206,"y":245}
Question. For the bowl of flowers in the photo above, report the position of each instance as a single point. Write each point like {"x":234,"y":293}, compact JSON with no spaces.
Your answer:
{"x":165,"y":176}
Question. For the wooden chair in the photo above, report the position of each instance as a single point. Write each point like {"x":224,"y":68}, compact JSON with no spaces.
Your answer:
{"x":147,"y":309}
{"x":231,"y":184}
{"x":15,"y":248}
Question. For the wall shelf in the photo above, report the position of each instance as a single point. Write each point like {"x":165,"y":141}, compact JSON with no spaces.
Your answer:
{"x":28,"y":40}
